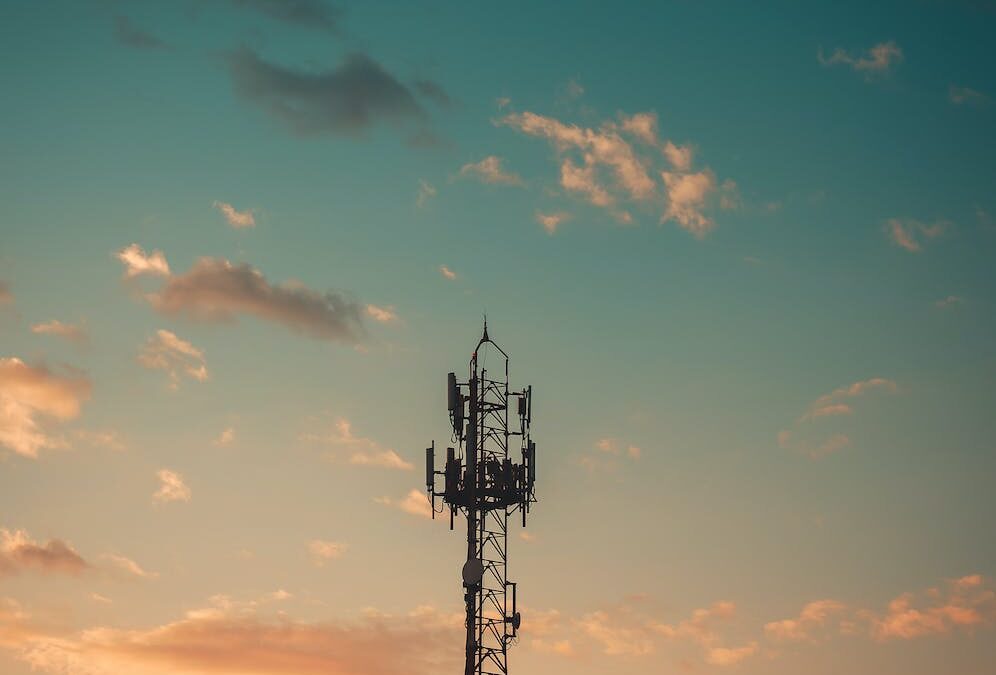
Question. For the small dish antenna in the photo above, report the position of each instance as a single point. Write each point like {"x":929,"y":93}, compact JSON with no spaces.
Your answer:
{"x":473,"y":572}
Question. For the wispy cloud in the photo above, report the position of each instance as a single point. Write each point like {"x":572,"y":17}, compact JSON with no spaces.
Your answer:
{"x":130,"y":35}
{"x":878,"y":60}
{"x":949,"y":302}
{"x":966,"y":95}
{"x":359,"y":450}
{"x":127,"y":567}
{"x":447,"y":273}
{"x":172,"y":487}
{"x":426,"y":191}
{"x":806,"y":627}
{"x":226,"y":437}
{"x":6,"y":297}
{"x":322,"y":551}
{"x":234,"y":217}
{"x":489,"y":170}
{"x":911,"y":235}
{"x":608,"y":454}
{"x":167,"y":352}
{"x":962,"y":604}
{"x":19,"y":553}
{"x":382,"y":314}
{"x":68,"y":331}
{"x":29,"y":392}
{"x":137,"y":262}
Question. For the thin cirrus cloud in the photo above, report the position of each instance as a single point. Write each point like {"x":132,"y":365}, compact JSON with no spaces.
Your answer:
{"x":837,"y":403}
{"x":344,"y":101}
{"x":415,"y":503}
{"x":625,"y":162}
{"x":608,"y":455}
{"x":127,"y":567}
{"x":28,"y":393}
{"x":315,"y":14}
{"x":68,"y":331}
{"x":426,"y":191}
{"x":20,"y":553}
{"x":489,"y":170}
{"x":130,"y":35}
{"x":172,"y":487}
{"x":215,"y":289}
{"x":878,"y":60}
{"x":359,"y":450}
{"x":323,"y":551}
{"x":911,"y":235}
{"x":175,"y":356}
{"x":231,"y":636}
{"x":966,"y":95}
{"x":237,"y":219}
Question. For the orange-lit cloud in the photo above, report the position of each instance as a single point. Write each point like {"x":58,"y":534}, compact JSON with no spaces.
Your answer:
{"x":27,"y":392}
{"x":238,"y":637}
{"x":226,"y":437}
{"x":69,"y":331}
{"x":19,"y":553}
{"x":551,"y":221}
{"x":322,"y":551}
{"x":234,"y":217}
{"x":813,"y":617}
{"x":962,"y":604}
{"x":172,"y":487}
{"x":167,"y":352}
{"x":382,"y":314}
{"x":359,"y":450}
{"x":416,"y":503}
{"x":489,"y":170}
{"x":880,"y":59}
{"x":137,"y":262}
{"x":911,"y":234}
{"x":447,"y":273}
{"x":127,"y":567}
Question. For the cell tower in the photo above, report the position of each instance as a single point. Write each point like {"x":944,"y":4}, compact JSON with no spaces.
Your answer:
{"x":481,"y":480}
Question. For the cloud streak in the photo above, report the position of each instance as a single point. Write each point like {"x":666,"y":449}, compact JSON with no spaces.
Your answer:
{"x":167,"y":352}
{"x":490,"y":171}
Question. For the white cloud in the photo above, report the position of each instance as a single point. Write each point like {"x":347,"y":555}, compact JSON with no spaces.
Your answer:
{"x":137,"y":263}
{"x":171,"y":487}
{"x":167,"y":352}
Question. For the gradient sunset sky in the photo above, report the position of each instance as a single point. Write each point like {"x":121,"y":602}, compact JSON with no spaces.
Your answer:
{"x":745,"y":253}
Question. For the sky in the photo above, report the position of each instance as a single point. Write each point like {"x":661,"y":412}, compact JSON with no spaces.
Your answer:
{"x":743,"y":253}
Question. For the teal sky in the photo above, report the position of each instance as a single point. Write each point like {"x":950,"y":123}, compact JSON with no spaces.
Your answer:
{"x":753,"y":242}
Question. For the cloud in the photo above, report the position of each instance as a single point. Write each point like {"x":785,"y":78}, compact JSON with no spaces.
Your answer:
{"x":102,"y":439}
{"x":831,"y":404}
{"x":447,"y":272}
{"x":966,"y":95}
{"x":165,"y":351}
{"x":131,"y":35}
{"x":171,"y":487}
{"x":382,"y":314}
{"x":608,"y":452}
{"x":235,"y":218}
{"x":615,"y":163}
{"x":426,"y":191}
{"x":489,"y":170}
{"x":27,"y":392}
{"x":128,"y":567}
{"x":687,"y":194}
{"x":307,"y":13}
{"x":137,"y":263}
{"x":963,"y":604}
{"x":229,"y":636}
{"x":226,"y":437}
{"x":551,"y":221}
{"x":217,"y":290}
{"x":950,"y":301}
{"x":730,"y":656}
{"x":345,"y":101}
{"x":813,"y":616}
{"x":878,"y":60}
{"x":416,"y":503}
{"x":434,"y":92}
{"x":614,"y":638}
{"x":323,"y":551}
{"x":6,"y":297}
{"x":361,"y":451}
{"x":911,"y":234}
{"x":19,"y":553}
{"x":69,"y":331}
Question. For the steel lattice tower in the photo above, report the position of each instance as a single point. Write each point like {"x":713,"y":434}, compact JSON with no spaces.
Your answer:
{"x":482,"y":481}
